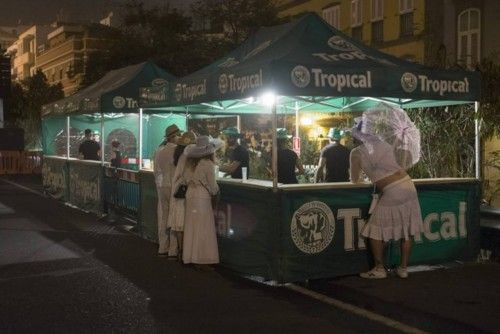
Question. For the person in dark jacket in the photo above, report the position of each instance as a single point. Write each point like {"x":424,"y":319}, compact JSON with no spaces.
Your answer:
{"x":89,"y":149}
{"x":288,"y":161}
{"x":333,"y":163}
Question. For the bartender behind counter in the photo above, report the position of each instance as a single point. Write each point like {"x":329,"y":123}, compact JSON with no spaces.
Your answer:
{"x":334,"y":158}
{"x":238,"y":155}
{"x":288,"y":161}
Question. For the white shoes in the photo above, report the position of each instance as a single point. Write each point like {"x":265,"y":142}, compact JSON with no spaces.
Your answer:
{"x":375,"y":273}
{"x":402,"y":272}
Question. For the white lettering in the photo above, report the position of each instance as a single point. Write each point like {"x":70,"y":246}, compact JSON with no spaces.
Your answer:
{"x":341,"y":81}
{"x":241,"y":84}
{"x":348,"y":216}
{"x":443,"y":86}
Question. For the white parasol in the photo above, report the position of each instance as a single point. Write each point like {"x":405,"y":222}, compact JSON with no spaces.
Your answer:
{"x":392,"y":125}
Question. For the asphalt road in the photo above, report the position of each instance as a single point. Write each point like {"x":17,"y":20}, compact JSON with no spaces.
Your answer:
{"x":63,"y":271}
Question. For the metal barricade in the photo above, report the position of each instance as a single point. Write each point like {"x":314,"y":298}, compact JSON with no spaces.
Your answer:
{"x":122,"y":191}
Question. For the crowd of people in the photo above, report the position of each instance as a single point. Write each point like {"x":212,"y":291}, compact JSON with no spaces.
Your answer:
{"x":185,"y":177}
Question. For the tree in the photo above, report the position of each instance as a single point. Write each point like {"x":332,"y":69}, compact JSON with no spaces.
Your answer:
{"x":25,"y":106}
{"x":236,"y":18}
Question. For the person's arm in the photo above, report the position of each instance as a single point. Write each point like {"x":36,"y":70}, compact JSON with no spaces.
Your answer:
{"x":318,"y":176}
{"x":230,"y":168}
{"x":299,"y":166}
{"x":355,"y":166}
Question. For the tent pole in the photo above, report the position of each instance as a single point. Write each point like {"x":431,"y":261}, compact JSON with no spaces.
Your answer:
{"x":67,"y":137}
{"x":275,"y":147}
{"x":103,"y":146}
{"x":238,"y":126}
{"x":296,"y":119}
{"x":477,"y":141}
{"x":140,"y":138}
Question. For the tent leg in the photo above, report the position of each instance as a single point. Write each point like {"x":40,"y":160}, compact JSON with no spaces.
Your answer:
{"x":275,"y":148}
{"x":67,"y":137}
{"x":140,"y":138}
{"x":103,"y":146}
{"x":477,"y":141}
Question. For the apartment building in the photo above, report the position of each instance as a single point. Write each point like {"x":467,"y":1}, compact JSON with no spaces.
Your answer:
{"x":64,"y":55}
{"x":23,"y":51}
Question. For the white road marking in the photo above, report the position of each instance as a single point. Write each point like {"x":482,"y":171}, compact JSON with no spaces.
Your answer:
{"x":356,"y":310}
{"x":23,"y":187}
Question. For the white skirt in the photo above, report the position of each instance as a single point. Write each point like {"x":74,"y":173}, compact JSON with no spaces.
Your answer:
{"x":397,"y":214}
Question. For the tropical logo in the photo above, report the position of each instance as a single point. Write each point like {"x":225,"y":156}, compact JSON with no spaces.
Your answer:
{"x":409,"y":82}
{"x":223,"y":83}
{"x":119,"y":102}
{"x":313,"y":227}
{"x":338,"y":43}
{"x":300,"y":76}
{"x":158,"y":82}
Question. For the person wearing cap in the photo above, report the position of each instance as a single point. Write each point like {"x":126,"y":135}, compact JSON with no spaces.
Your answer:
{"x":175,"y":221}
{"x":89,"y":149}
{"x":238,"y":155}
{"x":395,"y":212}
{"x":200,"y":239}
{"x":288,"y":160}
{"x":333,"y":163}
{"x":163,"y":171}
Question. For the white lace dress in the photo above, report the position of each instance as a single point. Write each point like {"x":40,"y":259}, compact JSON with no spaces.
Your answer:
{"x":200,"y":239}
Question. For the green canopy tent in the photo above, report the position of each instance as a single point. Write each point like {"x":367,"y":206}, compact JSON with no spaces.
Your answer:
{"x":307,"y":65}
{"x":111,"y":106}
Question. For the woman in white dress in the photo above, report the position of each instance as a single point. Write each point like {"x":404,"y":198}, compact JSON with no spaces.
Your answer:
{"x":176,"y":212}
{"x":397,"y":214}
{"x":200,"y":239}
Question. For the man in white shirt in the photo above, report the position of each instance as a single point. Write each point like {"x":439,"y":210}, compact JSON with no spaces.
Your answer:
{"x":164,"y":170}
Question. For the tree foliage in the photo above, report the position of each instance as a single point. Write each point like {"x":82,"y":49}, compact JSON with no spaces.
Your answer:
{"x":172,"y":39}
{"x":237,"y":19}
{"x":25,"y":106}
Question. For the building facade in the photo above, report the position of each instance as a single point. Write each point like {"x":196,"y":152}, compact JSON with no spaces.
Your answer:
{"x":24,"y":50}
{"x":68,"y":47}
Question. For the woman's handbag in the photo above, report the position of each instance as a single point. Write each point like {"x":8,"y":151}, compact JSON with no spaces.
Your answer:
{"x":181,"y":191}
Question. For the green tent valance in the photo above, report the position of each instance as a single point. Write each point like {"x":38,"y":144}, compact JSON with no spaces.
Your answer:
{"x":119,"y":91}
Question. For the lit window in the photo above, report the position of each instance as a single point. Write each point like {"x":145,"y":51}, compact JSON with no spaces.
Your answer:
{"x":356,"y":13}
{"x":377,"y":10}
{"x":332,"y":16}
{"x":468,"y":35}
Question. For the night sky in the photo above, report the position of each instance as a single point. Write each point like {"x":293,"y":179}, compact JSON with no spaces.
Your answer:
{"x":28,"y":12}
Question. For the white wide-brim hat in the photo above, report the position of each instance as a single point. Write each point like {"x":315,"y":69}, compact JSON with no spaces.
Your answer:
{"x":204,"y":146}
